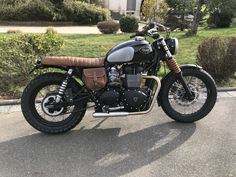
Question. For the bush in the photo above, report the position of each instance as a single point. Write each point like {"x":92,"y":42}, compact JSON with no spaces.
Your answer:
{"x":36,"y":10}
{"x":128,"y":24}
{"x":18,"y":55}
{"x":108,"y":27}
{"x":220,"y":19}
{"x":218,"y":57}
{"x":52,"y":10}
{"x":84,"y":13}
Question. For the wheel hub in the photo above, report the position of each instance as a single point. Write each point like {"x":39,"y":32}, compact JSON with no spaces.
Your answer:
{"x":48,"y":106}
{"x":183,"y":99}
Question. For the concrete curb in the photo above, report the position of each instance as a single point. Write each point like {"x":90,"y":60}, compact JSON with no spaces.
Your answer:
{"x":226,"y":89}
{"x":18,"y":101}
{"x":10,"y":102}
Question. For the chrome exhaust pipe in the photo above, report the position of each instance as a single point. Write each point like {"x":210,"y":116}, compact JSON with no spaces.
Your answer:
{"x":110,"y":114}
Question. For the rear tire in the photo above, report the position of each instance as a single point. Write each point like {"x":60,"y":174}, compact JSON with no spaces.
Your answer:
{"x":30,"y":112}
{"x":204,"y":110}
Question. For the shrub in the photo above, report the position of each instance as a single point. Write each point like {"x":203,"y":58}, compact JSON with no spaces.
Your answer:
{"x":220,"y":18}
{"x":52,"y":10}
{"x":17,"y":58}
{"x":218,"y":57}
{"x":84,"y":13}
{"x":36,"y":10}
{"x":128,"y":24}
{"x":108,"y":27}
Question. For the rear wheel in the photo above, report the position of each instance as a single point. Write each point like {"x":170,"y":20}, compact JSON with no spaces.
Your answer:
{"x":177,"y":105}
{"x":38,"y":99}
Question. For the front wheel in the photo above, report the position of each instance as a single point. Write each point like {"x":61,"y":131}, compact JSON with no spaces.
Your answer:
{"x":180,"y":107}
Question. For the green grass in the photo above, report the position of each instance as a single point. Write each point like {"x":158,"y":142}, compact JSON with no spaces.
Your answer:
{"x":95,"y":45}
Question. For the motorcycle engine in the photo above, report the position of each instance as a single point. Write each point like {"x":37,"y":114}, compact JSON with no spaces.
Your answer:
{"x":124,"y":90}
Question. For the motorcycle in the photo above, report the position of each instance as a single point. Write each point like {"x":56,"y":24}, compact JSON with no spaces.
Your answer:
{"x":123,"y":83}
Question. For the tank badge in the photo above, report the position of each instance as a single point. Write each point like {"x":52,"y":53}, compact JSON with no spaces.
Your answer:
{"x":146,"y":50}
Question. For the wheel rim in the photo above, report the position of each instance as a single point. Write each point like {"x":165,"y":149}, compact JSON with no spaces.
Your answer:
{"x":178,"y":100}
{"x":42,"y":99}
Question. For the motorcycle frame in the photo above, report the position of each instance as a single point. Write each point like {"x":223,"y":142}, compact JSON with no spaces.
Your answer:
{"x":152,"y":80}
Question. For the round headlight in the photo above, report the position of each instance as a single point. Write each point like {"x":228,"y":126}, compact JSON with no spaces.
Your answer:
{"x":173,"y":45}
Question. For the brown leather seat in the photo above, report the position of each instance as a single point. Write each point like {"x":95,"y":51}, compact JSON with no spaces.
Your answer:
{"x":73,"y":61}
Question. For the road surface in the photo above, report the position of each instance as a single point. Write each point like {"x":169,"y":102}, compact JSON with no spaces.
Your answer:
{"x":151,"y":145}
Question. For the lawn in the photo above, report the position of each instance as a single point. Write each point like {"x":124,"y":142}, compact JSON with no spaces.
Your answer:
{"x":98,"y":45}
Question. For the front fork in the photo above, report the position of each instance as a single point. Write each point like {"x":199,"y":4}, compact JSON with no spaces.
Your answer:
{"x":173,"y":66}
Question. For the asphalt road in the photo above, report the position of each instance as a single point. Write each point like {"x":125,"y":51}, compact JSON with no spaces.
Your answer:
{"x":140,"y":146}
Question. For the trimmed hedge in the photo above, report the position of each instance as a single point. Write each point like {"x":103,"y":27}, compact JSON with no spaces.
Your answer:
{"x":35,"y":10}
{"x":217,"y":55}
{"x":108,"y":27}
{"x":84,"y":13}
{"x":18,"y":55}
{"x":129,"y":24}
{"x":44,"y":10}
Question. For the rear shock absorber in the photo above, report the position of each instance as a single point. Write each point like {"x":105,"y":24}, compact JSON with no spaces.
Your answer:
{"x":63,"y":86}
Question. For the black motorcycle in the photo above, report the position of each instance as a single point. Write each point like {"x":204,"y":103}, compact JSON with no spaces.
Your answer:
{"x":123,"y":83}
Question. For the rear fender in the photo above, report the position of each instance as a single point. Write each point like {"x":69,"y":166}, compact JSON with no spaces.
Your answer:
{"x":166,"y":77}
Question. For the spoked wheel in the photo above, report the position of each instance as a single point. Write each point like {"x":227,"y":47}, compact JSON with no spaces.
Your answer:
{"x":179,"y":106}
{"x":40,"y":109}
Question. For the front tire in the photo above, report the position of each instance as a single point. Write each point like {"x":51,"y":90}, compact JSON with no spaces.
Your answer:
{"x":31,"y":103}
{"x":177,"y":107}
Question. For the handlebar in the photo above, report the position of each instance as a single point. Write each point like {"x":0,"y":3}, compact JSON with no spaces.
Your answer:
{"x":149,"y":28}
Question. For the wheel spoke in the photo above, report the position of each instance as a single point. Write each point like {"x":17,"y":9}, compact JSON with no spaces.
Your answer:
{"x":182,"y":104}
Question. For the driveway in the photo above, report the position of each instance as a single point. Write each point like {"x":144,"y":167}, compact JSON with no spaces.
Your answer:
{"x":139,"y":146}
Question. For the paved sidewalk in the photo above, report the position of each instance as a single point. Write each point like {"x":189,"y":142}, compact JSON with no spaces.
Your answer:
{"x":59,"y":29}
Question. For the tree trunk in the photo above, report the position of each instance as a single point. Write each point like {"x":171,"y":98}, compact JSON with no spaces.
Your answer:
{"x":196,"y":18}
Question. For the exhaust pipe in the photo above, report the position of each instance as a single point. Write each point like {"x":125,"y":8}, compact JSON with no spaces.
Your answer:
{"x":118,"y":114}
{"x":110,"y":114}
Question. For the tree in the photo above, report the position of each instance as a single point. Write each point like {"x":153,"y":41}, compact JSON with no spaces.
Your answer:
{"x":154,"y":10}
{"x":221,"y":12}
{"x":179,"y":10}
{"x":196,"y":18}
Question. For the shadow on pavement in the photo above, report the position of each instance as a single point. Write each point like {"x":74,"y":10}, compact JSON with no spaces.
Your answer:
{"x":90,"y":152}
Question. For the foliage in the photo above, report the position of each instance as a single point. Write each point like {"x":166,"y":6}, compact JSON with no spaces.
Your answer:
{"x":17,"y":57}
{"x":108,"y":27}
{"x":129,"y":24}
{"x":51,"y":10}
{"x":220,"y":19}
{"x":221,"y":12}
{"x":84,"y":13}
{"x":155,"y":10}
{"x":179,"y":9}
{"x":36,"y":10}
{"x":218,"y":57}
